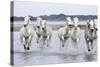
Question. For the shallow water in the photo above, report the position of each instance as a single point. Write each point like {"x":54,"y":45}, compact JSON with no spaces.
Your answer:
{"x":54,"y":53}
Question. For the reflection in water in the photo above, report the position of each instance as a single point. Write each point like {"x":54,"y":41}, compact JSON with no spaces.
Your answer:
{"x":29,"y":58}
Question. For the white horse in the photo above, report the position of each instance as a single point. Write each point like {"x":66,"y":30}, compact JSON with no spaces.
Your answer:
{"x":95,"y":24}
{"x":90,"y":34}
{"x":38,"y":29}
{"x":46,"y":33}
{"x":63,"y":33}
{"x":75,"y":32}
{"x":26,"y":33}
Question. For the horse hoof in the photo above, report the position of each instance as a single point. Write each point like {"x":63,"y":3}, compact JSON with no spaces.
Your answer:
{"x":28,"y":48}
{"x":89,"y":50}
{"x":24,"y":47}
{"x":37,"y":42}
{"x":47,"y":45}
{"x":62,"y":45}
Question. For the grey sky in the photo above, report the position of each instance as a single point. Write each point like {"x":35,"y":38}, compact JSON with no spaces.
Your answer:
{"x":23,"y":8}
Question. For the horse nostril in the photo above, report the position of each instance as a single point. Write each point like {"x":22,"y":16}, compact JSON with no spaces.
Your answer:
{"x":96,"y":29}
{"x":24,"y":25}
{"x":91,"y":30}
{"x":42,"y":28}
{"x":38,"y":26}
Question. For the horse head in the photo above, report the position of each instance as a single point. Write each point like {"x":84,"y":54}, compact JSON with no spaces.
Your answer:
{"x":68,"y":21}
{"x":91,"y":26}
{"x":92,"y":30}
{"x":75,"y":21}
{"x":26,"y":20}
{"x":44,"y":25}
{"x":39,"y":20}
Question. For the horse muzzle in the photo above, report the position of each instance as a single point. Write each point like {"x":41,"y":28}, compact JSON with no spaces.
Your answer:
{"x":91,"y":30}
{"x":38,"y":26}
{"x":96,"y":29}
{"x":42,"y":28}
{"x":25,"y":25}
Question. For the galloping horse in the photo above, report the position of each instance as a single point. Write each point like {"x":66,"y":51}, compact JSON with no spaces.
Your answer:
{"x":26,"y":33}
{"x":46,"y":33}
{"x":38,"y":29}
{"x":75,"y":32}
{"x":63,"y":32}
{"x":90,"y":34}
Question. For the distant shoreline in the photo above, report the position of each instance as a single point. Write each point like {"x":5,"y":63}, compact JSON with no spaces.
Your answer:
{"x":54,"y":17}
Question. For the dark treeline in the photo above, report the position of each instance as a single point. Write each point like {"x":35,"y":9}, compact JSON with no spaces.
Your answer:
{"x":60,"y":17}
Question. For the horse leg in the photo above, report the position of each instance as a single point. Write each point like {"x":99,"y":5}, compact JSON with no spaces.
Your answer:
{"x":77,"y":40}
{"x":88,"y":43}
{"x":42,"y":42}
{"x":38,"y":38}
{"x":63,"y":43}
{"x":89,"y":46}
{"x":28,"y":46}
{"x":47,"y":42}
{"x":24,"y":46}
{"x":29,"y":41}
{"x":24,"y":43}
{"x":60,"y":42}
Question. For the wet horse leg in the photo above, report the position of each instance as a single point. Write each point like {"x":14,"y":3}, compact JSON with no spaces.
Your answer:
{"x":48,"y":39}
{"x":42,"y":41}
{"x":38,"y":38}
{"x":63,"y":42}
{"x":28,"y":42}
{"x":89,"y":45}
{"x":24,"y":42}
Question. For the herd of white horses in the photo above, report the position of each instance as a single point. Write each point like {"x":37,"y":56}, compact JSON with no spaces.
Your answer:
{"x":43,"y":32}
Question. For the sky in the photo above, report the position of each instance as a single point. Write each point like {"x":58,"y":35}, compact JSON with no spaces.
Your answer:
{"x":24,"y":8}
